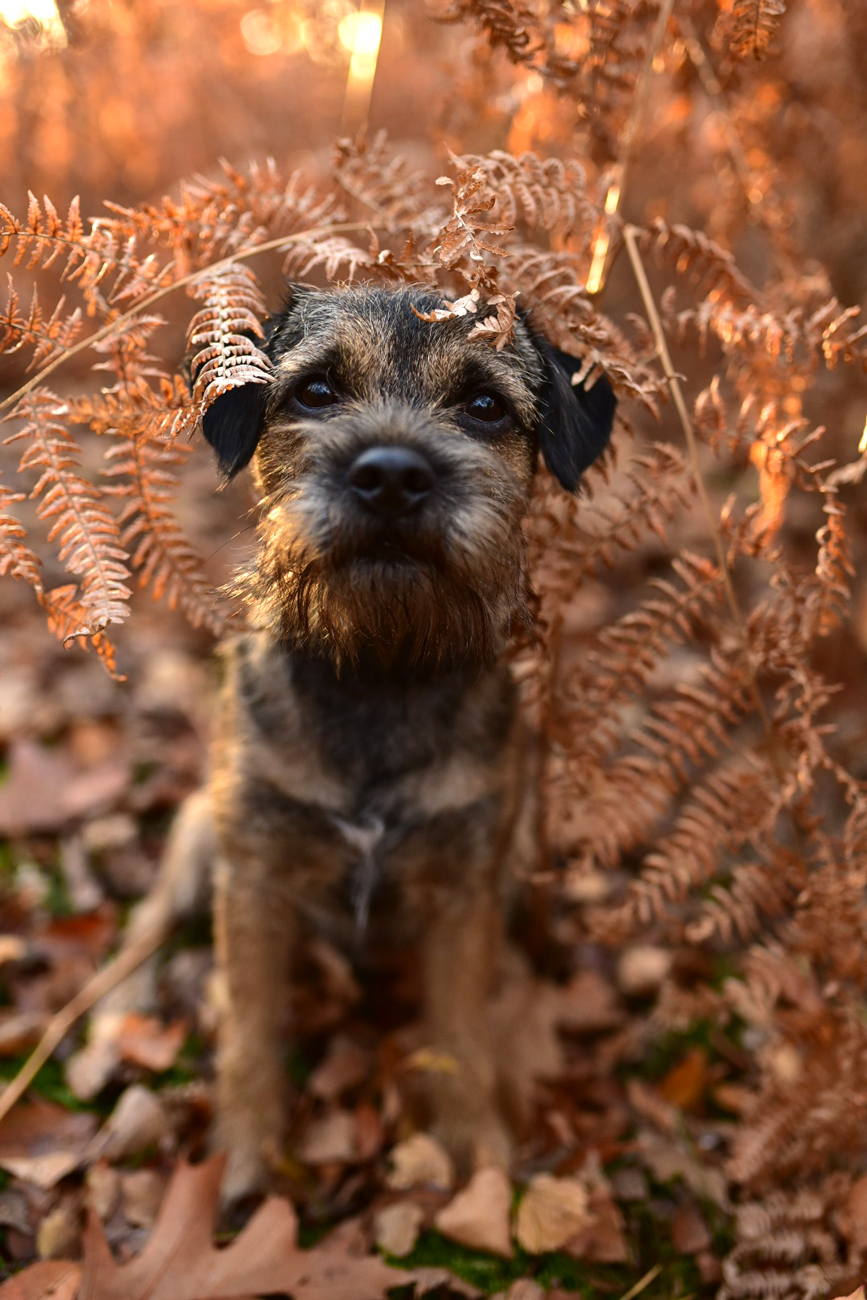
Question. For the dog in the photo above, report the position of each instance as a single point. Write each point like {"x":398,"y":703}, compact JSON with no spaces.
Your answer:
{"x":369,"y":765}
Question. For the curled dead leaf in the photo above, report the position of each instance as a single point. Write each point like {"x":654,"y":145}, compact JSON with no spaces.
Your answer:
{"x":420,"y":1161}
{"x":551,"y":1212}
{"x":479,"y":1215}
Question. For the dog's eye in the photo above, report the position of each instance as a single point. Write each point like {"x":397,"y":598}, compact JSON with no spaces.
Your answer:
{"x":486,"y":407}
{"x":315,"y":393}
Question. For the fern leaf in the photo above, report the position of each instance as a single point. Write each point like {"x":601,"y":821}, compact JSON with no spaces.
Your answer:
{"x":754,"y":24}
{"x":89,"y":540}
{"x":539,"y":194}
{"x":48,"y":338}
{"x":67,"y":619}
{"x":16,"y":557}
{"x":225,"y":355}
{"x":144,"y":459}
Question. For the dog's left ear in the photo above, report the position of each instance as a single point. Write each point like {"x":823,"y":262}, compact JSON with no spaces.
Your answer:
{"x":575,"y":424}
{"x":233,"y":425}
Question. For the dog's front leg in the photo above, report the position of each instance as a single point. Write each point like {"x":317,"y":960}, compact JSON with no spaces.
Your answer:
{"x":253,"y":929}
{"x":460,"y":954}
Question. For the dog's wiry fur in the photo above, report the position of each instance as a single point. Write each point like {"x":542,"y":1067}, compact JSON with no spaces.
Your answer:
{"x":369,"y":768}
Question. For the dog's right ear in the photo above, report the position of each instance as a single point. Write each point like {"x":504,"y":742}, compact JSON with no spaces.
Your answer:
{"x":233,"y":425}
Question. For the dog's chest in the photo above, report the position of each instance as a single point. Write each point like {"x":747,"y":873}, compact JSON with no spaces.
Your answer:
{"x":382,"y":790}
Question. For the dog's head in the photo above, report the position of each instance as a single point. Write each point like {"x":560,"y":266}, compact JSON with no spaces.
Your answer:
{"x":394,"y":456}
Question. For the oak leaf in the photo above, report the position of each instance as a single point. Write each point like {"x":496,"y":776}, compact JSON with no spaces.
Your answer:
{"x":181,"y":1262}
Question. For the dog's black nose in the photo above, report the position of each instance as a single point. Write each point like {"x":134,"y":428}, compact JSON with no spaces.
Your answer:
{"x":391,"y":480}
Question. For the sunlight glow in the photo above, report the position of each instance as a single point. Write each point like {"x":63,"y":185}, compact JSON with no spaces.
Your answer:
{"x":15,"y":12}
{"x":600,"y":252}
{"x":360,"y":32}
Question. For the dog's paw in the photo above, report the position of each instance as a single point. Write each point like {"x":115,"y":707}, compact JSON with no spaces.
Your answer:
{"x":475,"y":1142}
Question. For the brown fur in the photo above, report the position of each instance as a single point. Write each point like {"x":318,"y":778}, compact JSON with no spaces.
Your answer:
{"x":369,"y":768}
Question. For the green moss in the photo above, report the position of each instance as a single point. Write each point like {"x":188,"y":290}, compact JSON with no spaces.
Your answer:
{"x":49,"y":1083}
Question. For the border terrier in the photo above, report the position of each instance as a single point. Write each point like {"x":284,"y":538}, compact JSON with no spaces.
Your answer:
{"x":369,"y":768}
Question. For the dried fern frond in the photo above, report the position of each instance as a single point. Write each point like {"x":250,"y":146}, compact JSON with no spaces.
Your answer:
{"x":215,"y":218}
{"x":753,"y":26}
{"x":536,"y":193}
{"x":141,"y":466}
{"x":16,"y":557}
{"x":384,"y":185}
{"x":693,"y":253}
{"x":226,"y":356}
{"x":48,"y":338}
{"x":67,"y":615}
{"x":787,"y":1245}
{"x":89,"y":539}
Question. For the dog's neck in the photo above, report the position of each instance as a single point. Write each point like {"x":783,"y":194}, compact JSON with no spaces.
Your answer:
{"x":402,"y":722}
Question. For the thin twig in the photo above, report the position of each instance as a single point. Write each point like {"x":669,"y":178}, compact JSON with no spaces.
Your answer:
{"x":127,"y":960}
{"x":338,"y":228}
{"x":643,"y":1283}
{"x":630,"y":237}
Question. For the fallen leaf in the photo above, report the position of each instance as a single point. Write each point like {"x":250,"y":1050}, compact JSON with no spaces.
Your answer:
{"x":479,"y":1215}
{"x":145,"y":1041}
{"x":95,"y":791}
{"x":641,"y":969}
{"x":60,"y":1230}
{"x":396,"y":1227}
{"x":31,"y":798}
{"x":551,"y":1212}
{"x":329,"y":1140}
{"x":180,"y":1261}
{"x":137,"y":1122}
{"x":603,"y":1241}
{"x":140,"y":1040}
{"x":686,"y":1082}
{"x":668,"y":1158}
{"x":525,"y":1288}
{"x":20,"y":1031}
{"x":344,"y":1067}
{"x":68,"y":937}
{"x":142,"y":1192}
{"x":55,"y":1279}
{"x":689,"y":1232}
{"x":434,"y":1279}
{"x":102,"y":1185}
{"x":420,"y":1161}
{"x":41,"y":1142}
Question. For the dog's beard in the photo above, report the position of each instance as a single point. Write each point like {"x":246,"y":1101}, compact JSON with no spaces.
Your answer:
{"x":397,"y":603}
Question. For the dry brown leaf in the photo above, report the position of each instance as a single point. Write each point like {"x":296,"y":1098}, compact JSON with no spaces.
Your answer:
{"x":603,"y":1241}
{"x":551,"y":1212}
{"x":344,"y":1067}
{"x":140,"y":1040}
{"x":55,"y":1279}
{"x":31,"y":798}
{"x":142,"y":1193}
{"x":137,"y":1122}
{"x":420,"y":1161}
{"x":41,"y":1142}
{"x":686,"y":1082}
{"x":144,"y":1041}
{"x":479,"y":1215}
{"x":689,"y":1232}
{"x":329,"y":1140}
{"x":433,"y":1279}
{"x":396,"y":1227}
{"x":180,"y":1261}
